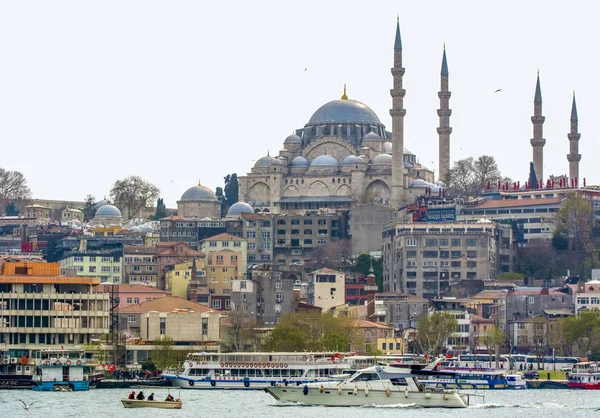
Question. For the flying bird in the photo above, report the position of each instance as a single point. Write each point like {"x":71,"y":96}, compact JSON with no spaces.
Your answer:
{"x":498,"y":90}
{"x":306,"y":69}
{"x":27,"y":406}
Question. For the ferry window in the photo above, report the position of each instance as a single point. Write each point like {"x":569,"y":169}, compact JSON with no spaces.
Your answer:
{"x":366,"y":377}
{"x":399,"y":381}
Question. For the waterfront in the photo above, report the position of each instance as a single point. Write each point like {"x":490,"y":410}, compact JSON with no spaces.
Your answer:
{"x":217,"y":403}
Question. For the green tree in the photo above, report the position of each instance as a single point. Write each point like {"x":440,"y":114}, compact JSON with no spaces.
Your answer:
{"x":493,"y":339}
{"x":148,"y":365}
{"x":511,"y":277}
{"x":434,"y":330}
{"x":11,"y":209}
{"x":582,"y":332}
{"x":231,"y":189}
{"x":132,"y":194}
{"x":362,"y":265}
{"x":164,"y":355}
{"x":89,"y":208}
{"x":221,"y":198}
{"x":161,"y":210}
{"x":560,"y":242}
{"x":574,"y":221}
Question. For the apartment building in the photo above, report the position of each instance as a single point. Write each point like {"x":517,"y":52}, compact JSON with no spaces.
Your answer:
{"x":104,"y":265}
{"x":425,"y":259}
{"x":326,"y":288}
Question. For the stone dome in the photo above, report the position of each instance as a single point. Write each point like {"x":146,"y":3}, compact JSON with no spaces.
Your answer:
{"x":372,"y":136}
{"x":293,"y":139}
{"x":419,"y":183}
{"x":266,"y":161}
{"x":108,"y":211}
{"x":358,"y":160}
{"x":146,"y":229}
{"x":382,"y":159}
{"x":135,"y":229}
{"x":239,"y":208}
{"x":349,"y":160}
{"x":100,"y":203}
{"x":198,"y":193}
{"x":325,"y":160}
{"x":300,"y":161}
{"x":344,"y":111}
{"x":387,"y":147}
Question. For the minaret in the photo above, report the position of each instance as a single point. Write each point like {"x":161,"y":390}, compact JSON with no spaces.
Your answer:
{"x":397,"y":113}
{"x":538,"y":142}
{"x":573,"y":156}
{"x":444,"y":130}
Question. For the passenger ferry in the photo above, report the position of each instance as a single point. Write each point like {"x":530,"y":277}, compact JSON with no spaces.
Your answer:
{"x":466,"y":379}
{"x":62,"y":370}
{"x":16,"y":369}
{"x":256,"y":370}
{"x":585,"y":375}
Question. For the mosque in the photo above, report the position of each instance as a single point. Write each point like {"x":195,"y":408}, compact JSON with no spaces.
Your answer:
{"x":344,"y":155}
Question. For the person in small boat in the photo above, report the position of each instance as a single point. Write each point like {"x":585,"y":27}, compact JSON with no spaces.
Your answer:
{"x":151,"y":397}
{"x":131,"y":395}
{"x":169,"y":398}
{"x":140,"y":396}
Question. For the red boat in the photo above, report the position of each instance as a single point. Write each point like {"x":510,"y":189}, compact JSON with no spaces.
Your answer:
{"x":585,"y":375}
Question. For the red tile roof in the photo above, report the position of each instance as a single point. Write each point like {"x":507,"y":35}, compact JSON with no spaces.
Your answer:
{"x":223,"y":237}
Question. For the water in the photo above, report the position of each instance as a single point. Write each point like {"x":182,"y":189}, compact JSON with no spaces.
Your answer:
{"x":233,"y":404}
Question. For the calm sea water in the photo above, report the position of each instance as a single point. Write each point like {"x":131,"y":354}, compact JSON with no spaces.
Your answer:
{"x":206,"y":403}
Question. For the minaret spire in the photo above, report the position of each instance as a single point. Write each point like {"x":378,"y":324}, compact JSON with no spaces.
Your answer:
{"x":573,"y":156}
{"x":538,"y":141}
{"x":397,"y":113}
{"x":344,"y":96}
{"x":444,"y":130}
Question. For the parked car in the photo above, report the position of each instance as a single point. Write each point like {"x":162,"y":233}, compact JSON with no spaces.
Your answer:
{"x":566,"y":369}
{"x":531,"y":374}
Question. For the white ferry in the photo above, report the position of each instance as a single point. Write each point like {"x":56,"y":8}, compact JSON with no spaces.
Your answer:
{"x":256,"y":370}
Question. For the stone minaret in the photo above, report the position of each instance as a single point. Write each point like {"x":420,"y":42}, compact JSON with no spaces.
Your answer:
{"x":444,"y":129}
{"x":538,"y":142}
{"x":573,"y":156}
{"x":397,"y":113}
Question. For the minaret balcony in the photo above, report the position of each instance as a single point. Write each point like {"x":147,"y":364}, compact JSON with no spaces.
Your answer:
{"x":574,"y":157}
{"x":537,"y":142}
{"x":444,"y":94}
{"x":444,"y":112}
{"x":398,"y":71}
{"x":538,"y":119}
{"x":397,"y":112}
{"x":574,"y":137}
{"x":397,"y":92}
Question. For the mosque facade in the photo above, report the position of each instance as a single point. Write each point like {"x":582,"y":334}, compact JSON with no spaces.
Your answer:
{"x":344,"y":156}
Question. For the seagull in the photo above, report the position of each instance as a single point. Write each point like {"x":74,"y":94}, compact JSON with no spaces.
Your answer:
{"x":27,"y":406}
{"x":306,"y":69}
{"x":498,"y":90}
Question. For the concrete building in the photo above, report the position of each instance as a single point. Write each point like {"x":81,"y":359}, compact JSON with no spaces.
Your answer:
{"x":227,"y":251}
{"x":179,"y":229}
{"x":400,"y":310}
{"x":41,"y":310}
{"x":140,"y":265}
{"x":104,"y":265}
{"x":326,"y":288}
{"x":425,"y":259}
{"x":265,"y":297}
{"x":38,"y":212}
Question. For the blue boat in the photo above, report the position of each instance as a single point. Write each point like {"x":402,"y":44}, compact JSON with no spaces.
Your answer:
{"x":61,"y":370}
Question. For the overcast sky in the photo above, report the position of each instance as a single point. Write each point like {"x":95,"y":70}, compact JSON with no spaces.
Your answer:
{"x":179,"y":91}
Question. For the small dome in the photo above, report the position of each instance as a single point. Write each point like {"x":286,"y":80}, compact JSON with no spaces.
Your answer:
{"x":300,"y":161}
{"x":325,"y":160}
{"x":239,"y":208}
{"x":135,"y":229}
{"x":419,"y":183}
{"x":108,"y":211}
{"x":382,"y":159}
{"x":440,"y":183}
{"x":198,"y":193}
{"x":372,"y":136}
{"x":349,"y":160}
{"x":100,"y":203}
{"x":266,"y":162}
{"x":146,"y":229}
{"x":387,"y":147}
{"x":358,"y":160}
{"x":293,"y":139}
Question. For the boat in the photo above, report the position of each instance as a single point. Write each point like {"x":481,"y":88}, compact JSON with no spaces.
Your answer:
{"x":16,"y":370}
{"x":254,"y":371}
{"x":61,"y":370}
{"x":377,"y":385}
{"x":465,"y":379}
{"x":515,"y":381}
{"x":136,"y":403}
{"x":584,"y":375}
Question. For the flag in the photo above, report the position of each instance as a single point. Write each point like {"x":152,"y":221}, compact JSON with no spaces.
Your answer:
{"x":62,"y":347}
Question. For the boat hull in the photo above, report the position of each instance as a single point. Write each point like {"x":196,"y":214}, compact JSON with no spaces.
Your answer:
{"x":8,"y":381}
{"x":184,"y":382}
{"x":61,"y":386}
{"x":350,"y":397}
{"x":135,"y":403}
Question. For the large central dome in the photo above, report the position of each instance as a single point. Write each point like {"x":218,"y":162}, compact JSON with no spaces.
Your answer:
{"x":344,"y":111}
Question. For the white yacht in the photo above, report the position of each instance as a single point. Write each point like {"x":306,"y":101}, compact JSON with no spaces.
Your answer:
{"x":256,"y":370}
{"x":377,"y":385}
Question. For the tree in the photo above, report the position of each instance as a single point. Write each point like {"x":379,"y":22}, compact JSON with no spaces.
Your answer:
{"x":560,"y":242}
{"x":362,"y":265}
{"x":468,"y":178}
{"x":132,"y":194}
{"x":574,"y":221}
{"x":511,"y":277}
{"x":434,"y":330}
{"x":334,"y":254}
{"x":161,"y":210}
{"x":493,"y":339}
{"x":221,"y":198}
{"x":13,"y":186}
{"x":164,"y":355}
{"x":89,"y":208}
{"x":231,"y":189}
{"x":11,"y":209}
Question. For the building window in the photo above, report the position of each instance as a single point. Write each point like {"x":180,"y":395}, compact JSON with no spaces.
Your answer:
{"x":456,"y":242}
{"x":227,"y":303}
{"x":131,"y":318}
{"x":225,"y":243}
{"x":278,"y":297}
{"x":129,"y":301}
{"x":321,"y":241}
{"x":251,"y":234}
{"x":92,"y":269}
{"x":455,"y":264}
{"x":216,"y":303}
{"x":278,"y":284}
{"x":105,"y":269}
{"x":219,"y":258}
{"x":265,"y":257}
{"x":471,"y":264}
{"x":213,"y":243}
{"x":116,"y":269}
{"x":429,"y":242}
{"x":430,"y":254}
{"x":295,"y":222}
{"x":455,"y":254}
{"x":531,"y":299}
{"x":92,"y":259}
{"x":471,"y":254}
{"x":237,"y":244}
{"x":410,"y":242}
{"x":471,"y":243}
{"x":105,"y":259}
{"x":252,"y":246}
{"x":443,"y":242}
{"x":78,"y":259}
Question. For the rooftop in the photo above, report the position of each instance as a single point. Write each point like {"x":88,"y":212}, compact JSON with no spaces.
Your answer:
{"x":166,"y":304}
{"x":49,"y":280}
{"x":223,"y":237}
{"x":507,"y":203}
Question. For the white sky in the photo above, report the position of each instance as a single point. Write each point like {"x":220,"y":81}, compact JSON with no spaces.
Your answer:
{"x":176,"y":91}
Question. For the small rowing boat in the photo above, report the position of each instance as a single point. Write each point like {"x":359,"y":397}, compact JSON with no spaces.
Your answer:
{"x":135,"y":403}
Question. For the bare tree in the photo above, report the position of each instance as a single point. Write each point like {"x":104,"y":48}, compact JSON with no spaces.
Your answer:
{"x":469,"y":178}
{"x":334,"y":254}
{"x":133,"y":193}
{"x":13,"y":186}
{"x":574,"y":221}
